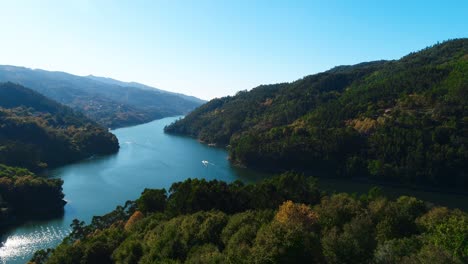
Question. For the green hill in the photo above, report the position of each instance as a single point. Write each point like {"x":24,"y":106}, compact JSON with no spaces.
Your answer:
{"x":25,"y":196}
{"x":285,"y":219}
{"x":109,"y":102}
{"x":36,"y":132}
{"x":402,"y":121}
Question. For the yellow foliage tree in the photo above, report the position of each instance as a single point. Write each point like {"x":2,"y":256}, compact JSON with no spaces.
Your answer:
{"x":296,"y":214}
{"x":133,"y":219}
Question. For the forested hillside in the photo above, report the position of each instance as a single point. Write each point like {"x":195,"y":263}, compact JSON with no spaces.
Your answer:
{"x":23,"y":195}
{"x":109,"y":102}
{"x":401,"y":121}
{"x":36,"y":132}
{"x":285,"y":219}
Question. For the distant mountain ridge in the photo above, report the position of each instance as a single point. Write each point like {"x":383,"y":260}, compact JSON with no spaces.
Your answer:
{"x":109,"y":102}
{"x":144,"y":86}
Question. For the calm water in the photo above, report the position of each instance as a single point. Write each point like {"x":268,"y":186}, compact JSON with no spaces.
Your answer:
{"x":148,"y":158}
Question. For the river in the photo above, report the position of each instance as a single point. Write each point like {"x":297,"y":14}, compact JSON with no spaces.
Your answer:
{"x":148,"y":158}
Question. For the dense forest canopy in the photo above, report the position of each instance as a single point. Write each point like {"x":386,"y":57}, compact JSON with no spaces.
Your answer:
{"x":36,"y":132}
{"x":23,"y":195}
{"x":402,"y":121}
{"x":109,"y":102}
{"x":284,"y":219}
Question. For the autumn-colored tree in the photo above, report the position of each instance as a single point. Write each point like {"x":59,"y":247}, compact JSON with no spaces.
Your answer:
{"x":296,"y":214}
{"x":137,"y":216}
{"x":341,"y":229}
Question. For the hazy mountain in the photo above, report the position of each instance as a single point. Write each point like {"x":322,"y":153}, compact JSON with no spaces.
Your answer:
{"x":109,"y":102}
{"x":145,"y":87}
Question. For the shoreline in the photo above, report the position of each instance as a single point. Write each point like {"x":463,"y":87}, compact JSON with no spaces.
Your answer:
{"x":421,"y":188}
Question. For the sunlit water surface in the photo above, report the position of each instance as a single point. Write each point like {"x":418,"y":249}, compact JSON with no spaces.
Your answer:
{"x":148,"y":158}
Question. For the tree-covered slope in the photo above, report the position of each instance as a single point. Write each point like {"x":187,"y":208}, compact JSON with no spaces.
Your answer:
{"x":402,"y":121}
{"x":23,"y":195}
{"x":36,"y":132}
{"x":109,"y":102}
{"x":285,"y":219}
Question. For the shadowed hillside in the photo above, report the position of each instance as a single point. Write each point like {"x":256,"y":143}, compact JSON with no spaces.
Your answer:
{"x":401,"y":121}
{"x":36,"y":132}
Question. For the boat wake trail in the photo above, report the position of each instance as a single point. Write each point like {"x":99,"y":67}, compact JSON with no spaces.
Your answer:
{"x":206,"y":163}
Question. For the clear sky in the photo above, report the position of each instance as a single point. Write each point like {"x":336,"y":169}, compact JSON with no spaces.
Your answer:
{"x":215,"y":48}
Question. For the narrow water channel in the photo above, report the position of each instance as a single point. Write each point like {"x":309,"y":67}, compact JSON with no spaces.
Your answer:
{"x":148,"y":158}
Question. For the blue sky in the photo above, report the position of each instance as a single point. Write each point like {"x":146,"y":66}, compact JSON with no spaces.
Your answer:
{"x":215,"y":48}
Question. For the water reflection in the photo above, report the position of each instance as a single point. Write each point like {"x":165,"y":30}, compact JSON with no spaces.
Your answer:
{"x":148,"y":158}
{"x":20,"y":247}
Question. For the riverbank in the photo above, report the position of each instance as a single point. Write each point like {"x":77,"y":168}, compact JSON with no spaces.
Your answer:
{"x":148,"y":158}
